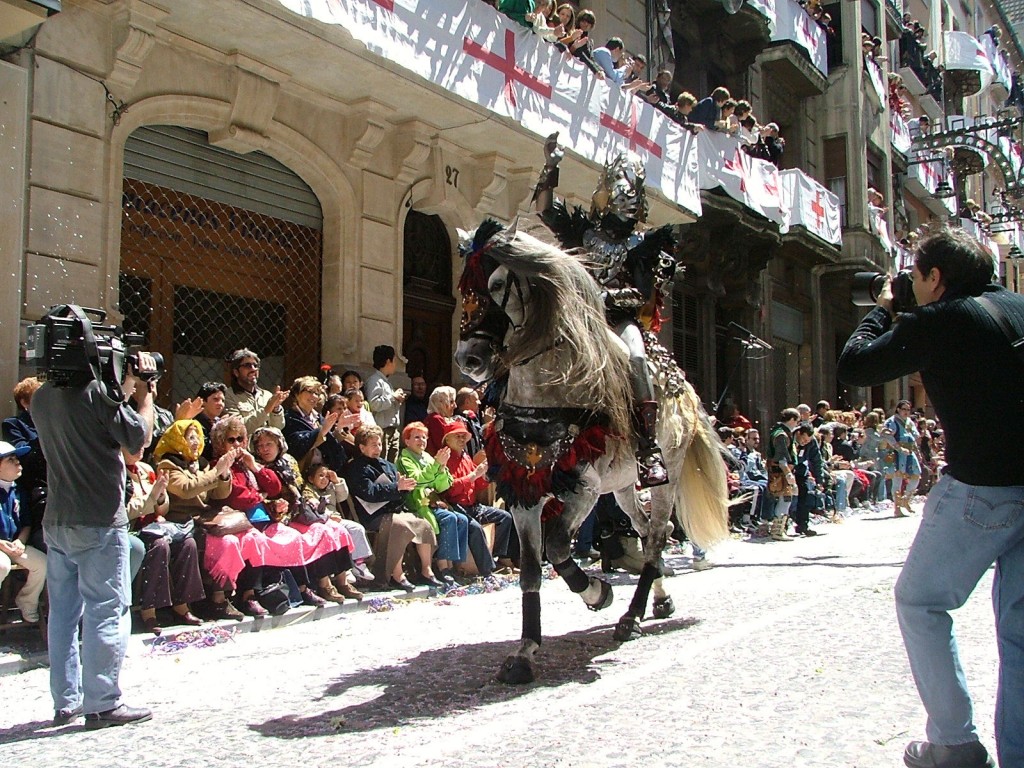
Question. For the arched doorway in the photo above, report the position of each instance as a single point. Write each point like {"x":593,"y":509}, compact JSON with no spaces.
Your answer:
{"x":428,"y":305}
{"x":218,"y":251}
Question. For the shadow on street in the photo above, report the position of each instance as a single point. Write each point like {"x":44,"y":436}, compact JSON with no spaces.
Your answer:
{"x":451,"y":680}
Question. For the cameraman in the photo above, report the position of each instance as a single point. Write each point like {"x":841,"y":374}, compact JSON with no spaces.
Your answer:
{"x":86,"y":528}
{"x":972,"y":517}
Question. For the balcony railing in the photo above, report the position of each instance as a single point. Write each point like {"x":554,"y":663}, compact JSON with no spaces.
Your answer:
{"x":912,"y":57}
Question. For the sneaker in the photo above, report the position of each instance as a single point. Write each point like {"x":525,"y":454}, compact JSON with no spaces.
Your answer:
{"x":923,"y":754}
{"x":66,"y":716}
{"x":362,"y":573}
{"x":122,"y":715}
{"x":701,"y":564}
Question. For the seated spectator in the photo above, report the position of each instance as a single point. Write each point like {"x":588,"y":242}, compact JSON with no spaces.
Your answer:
{"x":257,"y":407}
{"x":212,"y":394}
{"x":415,"y":406}
{"x":457,"y":534}
{"x":468,"y":479}
{"x":271,"y":450}
{"x":609,"y":58}
{"x":272,"y":546}
{"x":440,"y":411}
{"x":190,"y":479}
{"x":20,"y":431}
{"x":517,"y":10}
{"x":170,"y":575}
{"x":321,"y":482}
{"x":379,"y":495}
{"x":305,"y":429}
{"x":351,"y":380}
{"x":709,"y":109}
{"x":14,"y":532}
{"x":467,"y":408}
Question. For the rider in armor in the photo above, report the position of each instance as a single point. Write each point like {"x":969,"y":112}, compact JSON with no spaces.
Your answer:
{"x":631,"y":265}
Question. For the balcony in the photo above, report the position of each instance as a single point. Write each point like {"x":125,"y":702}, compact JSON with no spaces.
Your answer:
{"x":924,"y":177}
{"x":968,"y":68}
{"x":1000,"y":66}
{"x":798,"y":52}
{"x":703,"y":31}
{"x":893,"y":18}
{"x":899,"y":137}
{"x":920,"y":76}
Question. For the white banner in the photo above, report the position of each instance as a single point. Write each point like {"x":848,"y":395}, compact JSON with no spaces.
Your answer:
{"x":723,"y":164}
{"x":878,"y":224}
{"x":877,"y":82}
{"x":476,"y":53}
{"x":792,"y":22}
{"x":767,"y":9}
{"x":900,"y":133}
{"x":997,"y":58}
{"x":809,"y":205}
{"x":965,"y":52}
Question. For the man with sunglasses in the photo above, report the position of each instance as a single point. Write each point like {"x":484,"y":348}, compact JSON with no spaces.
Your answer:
{"x":257,"y":407}
{"x":955,"y":338}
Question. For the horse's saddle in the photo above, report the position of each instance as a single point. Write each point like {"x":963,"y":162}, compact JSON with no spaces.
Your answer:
{"x":539,"y":437}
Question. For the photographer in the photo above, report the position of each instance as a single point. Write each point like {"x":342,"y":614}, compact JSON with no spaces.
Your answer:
{"x":82,"y":431}
{"x":972,"y":517}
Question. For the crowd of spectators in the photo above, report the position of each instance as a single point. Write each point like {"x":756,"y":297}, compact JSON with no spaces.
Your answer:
{"x":252,"y":501}
{"x":835,"y":460}
{"x":571,"y":30}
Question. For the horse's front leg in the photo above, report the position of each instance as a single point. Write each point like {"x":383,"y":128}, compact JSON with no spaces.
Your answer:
{"x":656,"y":524}
{"x":518,"y":669}
{"x":596,"y":593}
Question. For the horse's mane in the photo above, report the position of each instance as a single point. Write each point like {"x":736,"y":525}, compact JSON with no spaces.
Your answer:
{"x":566,"y":309}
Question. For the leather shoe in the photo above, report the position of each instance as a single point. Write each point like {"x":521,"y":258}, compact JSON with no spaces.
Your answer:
{"x":67,"y":716}
{"x":311,"y":598}
{"x":252,"y":608}
{"x":122,"y":715}
{"x":152,"y":625}
{"x":187,"y":618}
{"x":433,"y":581}
{"x":350,"y":591}
{"x":924,"y":754}
{"x":403,"y":584}
{"x":225,"y":610}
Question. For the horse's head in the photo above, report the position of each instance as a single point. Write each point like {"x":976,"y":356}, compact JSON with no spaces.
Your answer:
{"x":484,"y":323}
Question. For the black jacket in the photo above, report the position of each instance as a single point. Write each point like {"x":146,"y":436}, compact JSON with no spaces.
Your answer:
{"x":973,"y":377}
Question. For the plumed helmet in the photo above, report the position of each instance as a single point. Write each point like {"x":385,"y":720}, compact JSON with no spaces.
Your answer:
{"x":621,"y":189}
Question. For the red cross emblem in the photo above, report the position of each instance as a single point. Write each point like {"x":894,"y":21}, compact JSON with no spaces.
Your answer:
{"x":735,"y":165}
{"x":629,"y":131}
{"x":818,"y":209}
{"x":507,"y":66}
{"x":805,"y":24}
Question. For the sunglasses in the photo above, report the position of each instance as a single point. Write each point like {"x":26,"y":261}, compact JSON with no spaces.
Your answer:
{"x":234,"y":440}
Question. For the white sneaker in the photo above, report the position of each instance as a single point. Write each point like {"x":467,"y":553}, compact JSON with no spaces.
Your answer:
{"x":701,"y":564}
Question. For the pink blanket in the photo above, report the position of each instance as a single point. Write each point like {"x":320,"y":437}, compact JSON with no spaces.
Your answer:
{"x":278,"y":545}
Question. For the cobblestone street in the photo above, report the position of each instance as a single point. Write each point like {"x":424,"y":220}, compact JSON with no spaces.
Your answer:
{"x":783,"y":654}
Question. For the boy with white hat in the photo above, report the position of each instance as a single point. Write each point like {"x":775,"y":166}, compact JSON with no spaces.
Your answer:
{"x":14,"y":533}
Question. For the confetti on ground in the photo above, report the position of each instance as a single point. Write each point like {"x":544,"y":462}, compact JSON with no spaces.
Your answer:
{"x":206,"y":637}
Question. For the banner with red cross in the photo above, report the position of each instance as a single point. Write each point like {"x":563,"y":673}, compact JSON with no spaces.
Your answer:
{"x":472,"y":51}
{"x":793,"y":23}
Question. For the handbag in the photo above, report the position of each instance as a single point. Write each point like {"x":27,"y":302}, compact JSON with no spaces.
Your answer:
{"x":307,"y":514}
{"x":175,"y":532}
{"x":227,"y":522}
{"x":274,"y":598}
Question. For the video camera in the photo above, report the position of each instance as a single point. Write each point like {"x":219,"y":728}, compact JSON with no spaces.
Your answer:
{"x":71,"y":349}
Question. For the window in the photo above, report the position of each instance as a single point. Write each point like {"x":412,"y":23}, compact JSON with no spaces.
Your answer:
{"x":835,"y":172}
{"x":834,"y":42}
{"x":869,"y":17}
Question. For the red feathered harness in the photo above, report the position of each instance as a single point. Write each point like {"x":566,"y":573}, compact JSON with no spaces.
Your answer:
{"x":550,"y":464}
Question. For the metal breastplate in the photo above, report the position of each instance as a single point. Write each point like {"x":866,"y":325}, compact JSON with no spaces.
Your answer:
{"x":606,"y":257}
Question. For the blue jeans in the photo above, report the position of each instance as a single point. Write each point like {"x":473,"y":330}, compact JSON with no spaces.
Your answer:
{"x":481,"y":552}
{"x":87,"y":576}
{"x":502,"y":521}
{"x":965,"y":528}
{"x":453,"y":538}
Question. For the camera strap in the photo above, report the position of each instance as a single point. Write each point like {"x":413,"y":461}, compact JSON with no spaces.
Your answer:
{"x":1014,"y":336}
{"x":111,"y":391}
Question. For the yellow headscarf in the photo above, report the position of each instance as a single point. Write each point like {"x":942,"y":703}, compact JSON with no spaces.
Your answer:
{"x":173,"y":440}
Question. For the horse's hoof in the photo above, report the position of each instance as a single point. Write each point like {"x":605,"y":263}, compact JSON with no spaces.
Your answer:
{"x":663,"y":607}
{"x":606,"y":596}
{"x":627,"y":629}
{"x":516,"y":670}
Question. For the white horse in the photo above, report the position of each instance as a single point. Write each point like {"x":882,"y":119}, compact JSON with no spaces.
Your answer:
{"x":562,"y":434}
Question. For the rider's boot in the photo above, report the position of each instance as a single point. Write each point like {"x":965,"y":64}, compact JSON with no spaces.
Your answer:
{"x":650,"y":463}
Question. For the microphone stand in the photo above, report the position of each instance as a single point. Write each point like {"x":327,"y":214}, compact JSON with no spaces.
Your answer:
{"x":749,"y":342}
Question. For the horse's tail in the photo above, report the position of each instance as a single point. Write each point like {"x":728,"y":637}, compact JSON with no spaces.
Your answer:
{"x":701,"y":495}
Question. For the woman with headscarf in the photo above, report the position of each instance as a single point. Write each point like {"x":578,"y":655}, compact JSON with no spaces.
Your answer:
{"x":190,"y":479}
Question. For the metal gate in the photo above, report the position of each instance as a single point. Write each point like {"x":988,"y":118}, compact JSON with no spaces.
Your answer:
{"x":218,"y":251}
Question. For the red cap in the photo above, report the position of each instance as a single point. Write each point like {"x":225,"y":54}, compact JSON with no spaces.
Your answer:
{"x":456,"y":427}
